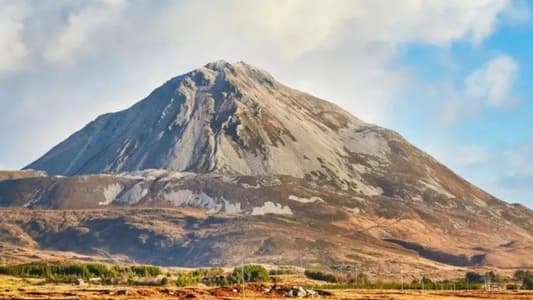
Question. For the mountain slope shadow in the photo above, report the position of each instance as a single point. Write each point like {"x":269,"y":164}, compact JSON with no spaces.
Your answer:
{"x":440,"y":256}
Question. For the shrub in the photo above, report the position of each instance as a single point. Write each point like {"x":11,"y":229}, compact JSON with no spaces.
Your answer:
{"x":474,"y":277}
{"x":186,"y":279}
{"x":317,"y":275}
{"x":493,"y":277}
{"x":211,"y":277}
{"x":282,"y":271}
{"x":146,"y":271}
{"x":252,"y":273}
{"x":520,"y":275}
{"x":164,"y":281}
{"x":527,"y":283}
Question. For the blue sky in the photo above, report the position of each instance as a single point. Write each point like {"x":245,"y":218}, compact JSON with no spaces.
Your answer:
{"x":452,"y":76}
{"x":491,"y":145}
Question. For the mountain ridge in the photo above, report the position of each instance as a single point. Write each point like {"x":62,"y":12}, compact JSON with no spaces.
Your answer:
{"x":265,"y":160}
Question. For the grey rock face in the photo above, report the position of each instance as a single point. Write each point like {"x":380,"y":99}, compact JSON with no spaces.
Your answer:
{"x":224,"y":118}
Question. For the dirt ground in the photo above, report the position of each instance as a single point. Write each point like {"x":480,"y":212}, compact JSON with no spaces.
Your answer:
{"x":437,"y":295}
{"x":22,"y":289}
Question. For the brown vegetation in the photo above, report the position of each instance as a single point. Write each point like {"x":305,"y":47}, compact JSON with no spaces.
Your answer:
{"x":13,"y":288}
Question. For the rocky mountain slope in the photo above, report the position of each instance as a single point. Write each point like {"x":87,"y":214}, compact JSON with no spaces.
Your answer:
{"x":260,"y":170}
{"x":266,"y":215}
{"x":223,"y":118}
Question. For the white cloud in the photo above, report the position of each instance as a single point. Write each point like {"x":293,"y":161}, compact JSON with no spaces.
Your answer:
{"x":471,"y":156}
{"x":507,"y":173}
{"x":77,"y":37}
{"x":521,"y":157}
{"x":459,"y":156}
{"x":434,"y":22}
{"x":298,"y":26}
{"x":292,"y":28}
{"x":343,"y":55}
{"x":493,"y":81}
{"x":489,"y":86}
{"x":518,"y":170}
{"x":514,"y":174}
{"x":13,"y":51}
{"x":303,"y":24}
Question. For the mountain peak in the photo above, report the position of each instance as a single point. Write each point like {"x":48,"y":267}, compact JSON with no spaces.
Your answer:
{"x":225,"y":118}
{"x":221,"y":65}
{"x":218,"y":65}
{"x":242,"y":70}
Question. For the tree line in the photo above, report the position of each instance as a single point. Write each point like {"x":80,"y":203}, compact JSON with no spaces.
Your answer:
{"x":145,"y":274}
{"x":72,"y":271}
{"x":217,"y":276}
{"x":471,"y":281}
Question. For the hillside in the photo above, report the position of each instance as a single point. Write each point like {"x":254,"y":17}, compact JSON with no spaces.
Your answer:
{"x":225,"y":164}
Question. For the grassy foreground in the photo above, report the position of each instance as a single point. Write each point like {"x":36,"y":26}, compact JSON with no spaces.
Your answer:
{"x":94,"y":281}
{"x":17,"y":288}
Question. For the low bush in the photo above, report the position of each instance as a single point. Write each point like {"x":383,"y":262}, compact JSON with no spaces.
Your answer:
{"x":282,"y":271}
{"x":210,"y":277}
{"x":527,"y":283}
{"x":318,"y":275}
{"x":252,"y":273}
{"x":146,"y":271}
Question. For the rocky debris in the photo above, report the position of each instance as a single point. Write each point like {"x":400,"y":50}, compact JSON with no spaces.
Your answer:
{"x":80,"y":282}
{"x":301,"y":292}
{"x":275,"y":291}
{"x":296,"y":291}
{"x":167,"y":291}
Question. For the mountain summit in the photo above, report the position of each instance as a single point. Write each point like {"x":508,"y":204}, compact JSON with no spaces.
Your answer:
{"x":269,"y":161}
{"x":223,"y":118}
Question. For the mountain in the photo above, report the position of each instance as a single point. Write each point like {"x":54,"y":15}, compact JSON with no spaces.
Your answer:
{"x":225,"y":163}
{"x":221,"y":118}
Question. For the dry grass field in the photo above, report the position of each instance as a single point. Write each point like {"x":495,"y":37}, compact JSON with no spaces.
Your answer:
{"x":23,"y":289}
{"x":437,"y":295}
